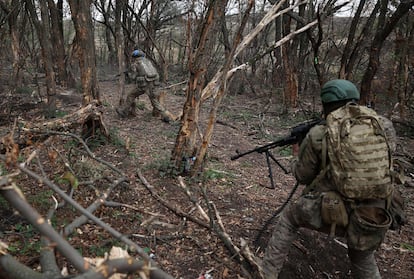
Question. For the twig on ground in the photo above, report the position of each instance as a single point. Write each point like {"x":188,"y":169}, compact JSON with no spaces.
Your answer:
{"x":173,"y":209}
{"x":92,"y":217}
{"x":118,"y":204}
{"x":88,"y":151}
{"x":92,"y":208}
{"x":193,"y":199}
{"x":15,"y":198}
{"x":13,"y":195}
{"x":242,"y":255}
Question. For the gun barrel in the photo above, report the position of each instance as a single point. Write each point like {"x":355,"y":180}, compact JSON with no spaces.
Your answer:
{"x":297,"y":134}
{"x":282,"y":142}
{"x":235,"y":157}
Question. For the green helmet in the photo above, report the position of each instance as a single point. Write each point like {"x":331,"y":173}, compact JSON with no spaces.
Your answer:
{"x":339,"y":90}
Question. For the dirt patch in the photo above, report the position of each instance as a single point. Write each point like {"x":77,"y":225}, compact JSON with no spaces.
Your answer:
{"x":239,"y":189}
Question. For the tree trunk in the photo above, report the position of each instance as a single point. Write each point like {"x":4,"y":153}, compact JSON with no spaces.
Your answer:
{"x":290,"y":78}
{"x":56,"y":17}
{"x":230,"y":57}
{"x":105,"y":7}
{"x":43,"y":30}
{"x":15,"y":31}
{"x":69,"y":122}
{"x":82,"y":20}
{"x":400,"y":81}
{"x":289,"y":58}
{"x":119,"y":38}
{"x":385,"y":26}
{"x":343,"y":72}
{"x":186,"y":139}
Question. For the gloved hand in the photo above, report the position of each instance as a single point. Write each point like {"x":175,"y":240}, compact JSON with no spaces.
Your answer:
{"x":295,"y":149}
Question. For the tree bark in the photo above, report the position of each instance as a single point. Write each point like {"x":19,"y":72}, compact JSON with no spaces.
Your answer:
{"x":119,"y":39}
{"x":289,"y":61}
{"x":343,"y":72}
{"x":43,"y":30}
{"x":68,"y":122}
{"x":15,"y":30}
{"x":385,"y":26}
{"x":230,"y":57}
{"x":186,"y":139}
{"x":82,"y":20}
{"x":399,"y":85}
{"x":56,"y":26}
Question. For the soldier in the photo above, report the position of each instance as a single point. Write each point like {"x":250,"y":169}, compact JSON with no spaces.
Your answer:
{"x":321,"y":206}
{"x":146,"y":79}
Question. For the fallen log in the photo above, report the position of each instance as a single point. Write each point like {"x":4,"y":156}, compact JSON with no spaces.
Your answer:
{"x":89,"y":118}
{"x":79,"y":118}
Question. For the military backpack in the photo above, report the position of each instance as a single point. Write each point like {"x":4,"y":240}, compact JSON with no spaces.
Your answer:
{"x":142,"y":70}
{"x":360,"y":162}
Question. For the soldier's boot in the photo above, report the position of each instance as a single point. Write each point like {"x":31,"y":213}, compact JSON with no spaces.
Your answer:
{"x":125,"y":112}
{"x":160,"y":109}
{"x":156,"y":112}
{"x":127,"y":109}
{"x":133,"y":110}
{"x":121,"y":113}
{"x":363,"y":264}
{"x":278,"y":248}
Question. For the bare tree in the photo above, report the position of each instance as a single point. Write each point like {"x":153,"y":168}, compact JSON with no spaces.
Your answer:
{"x":85,"y":49}
{"x":289,"y":64}
{"x":106,"y":10}
{"x":42,"y":26}
{"x":64,"y":77}
{"x":386,"y":25}
{"x":187,"y":136}
{"x":401,"y":83}
{"x":186,"y":143}
{"x":348,"y":53}
{"x":16,"y":24}
{"x":120,"y":8}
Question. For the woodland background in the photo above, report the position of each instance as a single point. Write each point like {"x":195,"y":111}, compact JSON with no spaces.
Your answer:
{"x":237,"y":74}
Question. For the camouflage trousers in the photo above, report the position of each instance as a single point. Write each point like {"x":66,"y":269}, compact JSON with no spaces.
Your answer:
{"x":306,"y":212}
{"x":129,"y":106}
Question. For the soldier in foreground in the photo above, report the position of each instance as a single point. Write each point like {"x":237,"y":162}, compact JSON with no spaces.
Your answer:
{"x":346,"y":166}
{"x":146,"y":79}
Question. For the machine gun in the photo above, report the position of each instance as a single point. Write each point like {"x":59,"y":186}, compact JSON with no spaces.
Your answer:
{"x":297,"y":134}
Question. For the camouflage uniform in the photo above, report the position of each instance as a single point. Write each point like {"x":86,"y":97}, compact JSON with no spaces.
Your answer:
{"x":306,"y":211}
{"x":144,"y":85}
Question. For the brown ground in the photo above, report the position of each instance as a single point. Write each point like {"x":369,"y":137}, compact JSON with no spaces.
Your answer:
{"x":239,"y":189}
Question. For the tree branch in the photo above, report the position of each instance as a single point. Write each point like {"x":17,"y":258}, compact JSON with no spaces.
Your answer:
{"x":14,"y":196}
{"x":176,"y":211}
{"x":92,"y":208}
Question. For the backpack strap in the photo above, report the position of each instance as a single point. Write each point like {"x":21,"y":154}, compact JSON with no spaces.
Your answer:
{"x":324,"y":150}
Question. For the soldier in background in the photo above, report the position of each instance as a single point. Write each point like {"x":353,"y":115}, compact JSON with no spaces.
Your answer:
{"x":146,"y":78}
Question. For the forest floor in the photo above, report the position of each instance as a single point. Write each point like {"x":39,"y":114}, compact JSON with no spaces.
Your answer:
{"x":239,"y":189}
